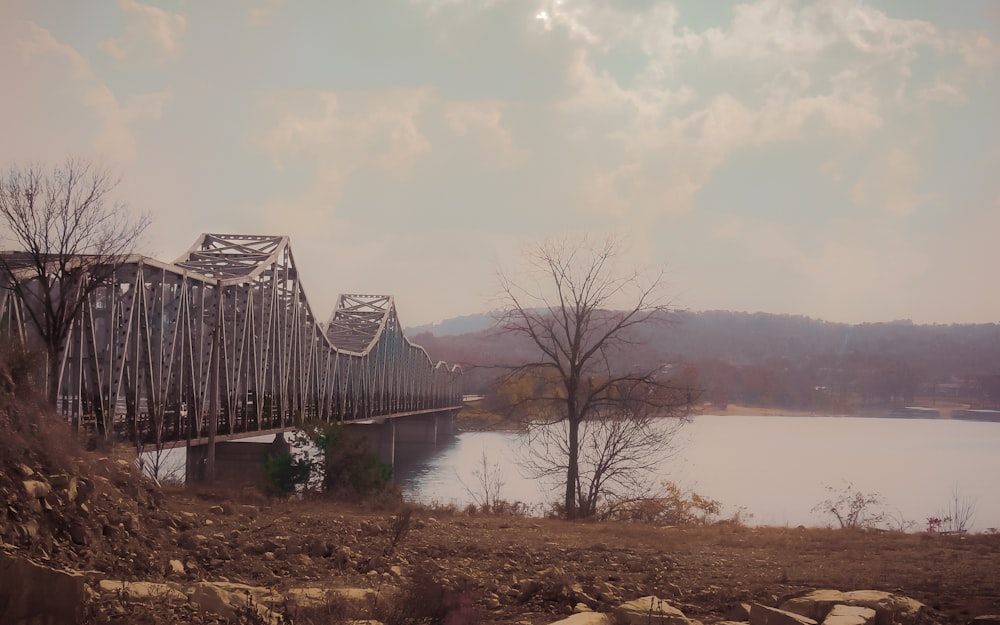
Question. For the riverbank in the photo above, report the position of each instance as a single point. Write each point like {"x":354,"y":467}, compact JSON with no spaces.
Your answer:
{"x":140,"y":554}
{"x":533,"y":571}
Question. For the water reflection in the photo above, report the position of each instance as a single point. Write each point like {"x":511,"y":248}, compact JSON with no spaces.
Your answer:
{"x":775,"y":468}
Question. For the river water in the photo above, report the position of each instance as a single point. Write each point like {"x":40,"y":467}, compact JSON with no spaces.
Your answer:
{"x":773,"y":468}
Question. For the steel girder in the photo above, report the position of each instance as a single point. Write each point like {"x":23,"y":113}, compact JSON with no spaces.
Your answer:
{"x":138,"y":360}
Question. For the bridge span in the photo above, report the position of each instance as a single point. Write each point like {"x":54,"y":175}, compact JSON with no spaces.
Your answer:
{"x":223,"y":344}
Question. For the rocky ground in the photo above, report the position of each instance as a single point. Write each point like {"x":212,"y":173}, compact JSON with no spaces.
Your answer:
{"x":137,"y":553}
{"x":490,"y":569}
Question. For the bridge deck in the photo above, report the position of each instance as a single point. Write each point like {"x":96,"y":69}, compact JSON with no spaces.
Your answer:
{"x":204,"y":440}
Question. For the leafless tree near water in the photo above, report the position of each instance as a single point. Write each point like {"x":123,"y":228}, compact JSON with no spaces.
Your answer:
{"x":593,"y":415}
{"x":70,"y":236}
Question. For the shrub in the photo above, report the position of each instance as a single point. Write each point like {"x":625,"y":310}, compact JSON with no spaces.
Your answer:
{"x":674,"y":506}
{"x":347,"y":466}
{"x":425,"y":600}
{"x":852,"y":508}
{"x":285,"y":472}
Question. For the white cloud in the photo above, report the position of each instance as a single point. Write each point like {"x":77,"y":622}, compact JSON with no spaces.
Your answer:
{"x":59,"y":85}
{"x":889,"y":184}
{"x":826,"y":71}
{"x":260,"y":12}
{"x":485,"y":121}
{"x":337,"y":136}
{"x":148,"y":29}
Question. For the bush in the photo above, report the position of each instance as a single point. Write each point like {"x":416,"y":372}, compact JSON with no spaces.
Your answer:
{"x":424,"y":600}
{"x":285,"y":472}
{"x":852,"y":508}
{"x":673,"y":506}
{"x":347,"y":466}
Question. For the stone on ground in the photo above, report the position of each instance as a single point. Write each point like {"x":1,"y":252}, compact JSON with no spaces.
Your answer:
{"x":889,"y":608}
{"x":649,"y":610}
{"x":142,"y":592}
{"x":33,"y":593}
{"x":764,"y":615}
{"x":585,"y":618}
{"x":850,"y":615}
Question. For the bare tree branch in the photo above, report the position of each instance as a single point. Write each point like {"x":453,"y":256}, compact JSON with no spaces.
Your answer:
{"x":579,"y":311}
{"x":70,"y":238}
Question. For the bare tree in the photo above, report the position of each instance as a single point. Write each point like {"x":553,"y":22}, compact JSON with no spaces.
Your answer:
{"x":591,"y":411}
{"x":957,"y":518}
{"x":72,"y":237}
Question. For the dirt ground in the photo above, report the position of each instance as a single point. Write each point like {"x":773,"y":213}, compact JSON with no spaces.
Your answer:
{"x":515,"y":570}
{"x":90,"y":512}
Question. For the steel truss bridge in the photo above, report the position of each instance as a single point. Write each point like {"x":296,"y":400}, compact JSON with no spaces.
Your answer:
{"x":141,"y":359}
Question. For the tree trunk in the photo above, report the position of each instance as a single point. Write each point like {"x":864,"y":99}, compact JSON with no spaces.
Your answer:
{"x":53,"y":361}
{"x":572,"y":466}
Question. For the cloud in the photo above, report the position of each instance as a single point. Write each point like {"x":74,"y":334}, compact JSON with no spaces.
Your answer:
{"x":484,"y":122}
{"x":787,"y":73}
{"x":261,"y":11}
{"x":377,"y":130}
{"x":149,"y":31}
{"x":58,"y":87}
{"x":336,"y":137}
{"x":889,"y":184}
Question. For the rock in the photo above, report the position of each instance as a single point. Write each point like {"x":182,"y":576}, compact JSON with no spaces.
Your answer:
{"x":175,"y":567}
{"x":649,"y":610}
{"x":307,"y":597}
{"x":143,"y":592}
{"x":889,"y":608}
{"x":32,"y":593}
{"x":850,"y":615}
{"x":36,"y":489}
{"x":78,"y":534}
{"x":764,"y":615}
{"x":585,"y":618}
{"x":986,"y":619}
{"x":226,"y":598}
{"x":60,"y":480}
{"x":310,"y":597}
{"x":191,"y":541}
{"x":739,"y":612}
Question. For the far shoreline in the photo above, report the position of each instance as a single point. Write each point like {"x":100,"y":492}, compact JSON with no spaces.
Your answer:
{"x":475,"y":419}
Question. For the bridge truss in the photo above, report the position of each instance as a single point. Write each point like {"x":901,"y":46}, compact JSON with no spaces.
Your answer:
{"x":141,"y":358}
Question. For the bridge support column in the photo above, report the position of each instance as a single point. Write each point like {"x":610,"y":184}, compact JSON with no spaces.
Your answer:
{"x":382,"y":439}
{"x":417,"y":437}
{"x":236,"y":463}
{"x":405,"y":438}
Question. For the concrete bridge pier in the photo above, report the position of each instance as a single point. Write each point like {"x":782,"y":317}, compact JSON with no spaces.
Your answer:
{"x":404,"y":437}
{"x":235,"y":462}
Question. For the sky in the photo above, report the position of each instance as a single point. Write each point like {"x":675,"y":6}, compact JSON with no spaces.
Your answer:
{"x":836,"y":159}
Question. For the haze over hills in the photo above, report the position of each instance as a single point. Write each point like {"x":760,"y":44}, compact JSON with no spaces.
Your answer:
{"x":770,"y":359}
{"x":454,"y":325}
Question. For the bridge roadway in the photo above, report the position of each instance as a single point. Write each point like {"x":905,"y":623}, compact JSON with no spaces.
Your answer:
{"x":222,"y":344}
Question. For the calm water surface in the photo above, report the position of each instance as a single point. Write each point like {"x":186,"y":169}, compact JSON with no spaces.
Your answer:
{"x":775,"y":468}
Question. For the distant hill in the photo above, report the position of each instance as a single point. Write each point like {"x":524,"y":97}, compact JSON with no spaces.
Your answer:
{"x":453,"y":326}
{"x":770,"y":359}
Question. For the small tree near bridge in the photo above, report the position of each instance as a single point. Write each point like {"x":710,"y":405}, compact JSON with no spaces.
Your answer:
{"x":596,"y":418}
{"x":70,"y":238}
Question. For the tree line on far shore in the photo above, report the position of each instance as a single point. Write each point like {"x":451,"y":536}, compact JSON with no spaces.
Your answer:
{"x":782,"y":361}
